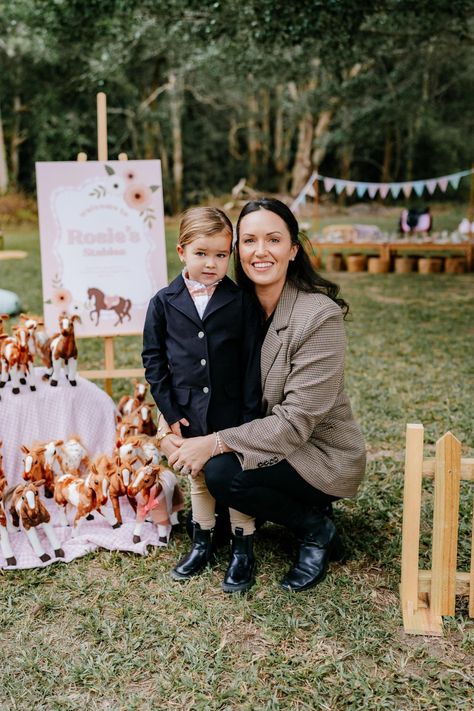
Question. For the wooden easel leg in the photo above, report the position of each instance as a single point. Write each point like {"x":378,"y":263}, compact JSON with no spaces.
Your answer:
{"x":109,"y":362}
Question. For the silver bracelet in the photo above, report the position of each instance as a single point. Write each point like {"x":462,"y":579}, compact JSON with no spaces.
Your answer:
{"x":216,"y":444}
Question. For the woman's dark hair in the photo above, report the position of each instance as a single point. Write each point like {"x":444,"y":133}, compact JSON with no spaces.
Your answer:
{"x":300,"y":271}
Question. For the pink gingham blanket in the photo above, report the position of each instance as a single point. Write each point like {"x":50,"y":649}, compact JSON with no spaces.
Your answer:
{"x":57,"y":413}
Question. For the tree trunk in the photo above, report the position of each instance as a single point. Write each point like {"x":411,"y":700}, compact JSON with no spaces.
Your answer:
{"x":16,"y":140}
{"x":252,"y":139}
{"x":176,"y":110}
{"x":346,"y":161}
{"x":320,"y":138}
{"x":3,"y":161}
{"x":282,"y":136}
{"x":265,"y":141}
{"x":302,"y":164}
{"x":386,"y":175}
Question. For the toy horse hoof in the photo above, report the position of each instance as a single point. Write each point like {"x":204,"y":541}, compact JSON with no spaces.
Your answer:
{"x":163,"y":539}
{"x":59,"y":553}
{"x":23,"y":381}
{"x":11,"y":561}
{"x":73,"y":383}
{"x":53,"y":383}
{"x":136,"y":539}
{"x":15,"y":391}
{"x":32,"y":388}
{"x":2,"y":384}
{"x":48,"y":494}
{"x":89,"y":517}
{"x":45,"y":557}
{"x":117,"y":525}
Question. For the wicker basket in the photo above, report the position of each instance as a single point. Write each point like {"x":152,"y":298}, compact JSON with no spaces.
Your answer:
{"x":377,"y":265}
{"x":356,"y":263}
{"x":455,"y":265}
{"x":430,"y":265}
{"x":334,"y":262}
{"x":404,"y":265}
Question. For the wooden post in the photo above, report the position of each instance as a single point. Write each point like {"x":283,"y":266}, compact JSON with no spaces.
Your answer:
{"x":411,"y":516}
{"x":445,"y":524}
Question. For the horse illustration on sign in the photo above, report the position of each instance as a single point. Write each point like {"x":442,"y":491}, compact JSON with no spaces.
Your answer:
{"x":102,"y":302}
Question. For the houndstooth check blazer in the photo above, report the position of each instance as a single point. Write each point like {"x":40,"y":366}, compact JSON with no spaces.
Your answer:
{"x":308,"y":418}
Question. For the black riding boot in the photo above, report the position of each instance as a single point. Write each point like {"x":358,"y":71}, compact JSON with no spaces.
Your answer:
{"x":198,"y":557}
{"x":240,"y":575}
{"x":319,"y":543}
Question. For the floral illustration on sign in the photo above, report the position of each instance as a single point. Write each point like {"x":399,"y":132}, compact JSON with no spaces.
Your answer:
{"x":61,"y":297}
{"x":136,"y":195}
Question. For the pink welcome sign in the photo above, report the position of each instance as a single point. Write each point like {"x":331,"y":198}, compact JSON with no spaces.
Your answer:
{"x":103,"y":253}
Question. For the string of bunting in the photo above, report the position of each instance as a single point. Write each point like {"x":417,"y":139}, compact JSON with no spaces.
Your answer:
{"x":383,"y":189}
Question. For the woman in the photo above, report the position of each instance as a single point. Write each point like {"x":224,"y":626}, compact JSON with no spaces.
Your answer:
{"x":307,"y":450}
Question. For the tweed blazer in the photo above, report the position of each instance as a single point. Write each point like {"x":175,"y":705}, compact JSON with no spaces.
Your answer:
{"x":307,"y":415}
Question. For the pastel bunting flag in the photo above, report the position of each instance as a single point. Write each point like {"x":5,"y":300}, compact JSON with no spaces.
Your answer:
{"x":407,"y":188}
{"x":454,"y":180}
{"x":361,"y":189}
{"x":340,"y":185}
{"x":383,"y":190}
{"x":418,"y":187}
{"x":443,"y":184}
{"x":395,"y":189}
{"x":431,"y":186}
{"x":329,"y":184}
{"x":350,"y":187}
{"x":373,"y":189}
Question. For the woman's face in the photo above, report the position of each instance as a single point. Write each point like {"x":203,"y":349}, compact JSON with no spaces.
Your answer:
{"x":265,"y":248}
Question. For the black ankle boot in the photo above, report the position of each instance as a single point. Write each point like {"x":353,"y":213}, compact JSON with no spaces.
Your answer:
{"x":240,"y":575}
{"x":198,"y":557}
{"x":319,"y":543}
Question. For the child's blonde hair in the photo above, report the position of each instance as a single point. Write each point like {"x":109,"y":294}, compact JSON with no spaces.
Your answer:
{"x":202,"y":222}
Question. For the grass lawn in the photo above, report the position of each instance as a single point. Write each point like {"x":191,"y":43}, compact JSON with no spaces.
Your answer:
{"x":112,"y":631}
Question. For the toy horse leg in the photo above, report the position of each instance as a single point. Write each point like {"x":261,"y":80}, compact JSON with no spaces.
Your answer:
{"x":62,"y":516}
{"x":31,"y":377}
{"x":15,"y":376}
{"x":137,"y":531}
{"x":53,"y":539}
{"x":36,"y":545}
{"x":162,"y":533}
{"x":117,"y":512}
{"x":57,"y":362}
{"x":71,"y":371}
{"x":109,"y":517}
{"x":6,"y":547}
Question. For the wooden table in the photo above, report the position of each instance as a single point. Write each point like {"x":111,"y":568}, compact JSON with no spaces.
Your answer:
{"x":385,"y":250}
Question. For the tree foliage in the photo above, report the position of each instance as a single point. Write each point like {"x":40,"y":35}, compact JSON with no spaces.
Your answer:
{"x":268,"y":90}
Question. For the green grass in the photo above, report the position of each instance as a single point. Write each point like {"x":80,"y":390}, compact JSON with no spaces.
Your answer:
{"x":112,"y":631}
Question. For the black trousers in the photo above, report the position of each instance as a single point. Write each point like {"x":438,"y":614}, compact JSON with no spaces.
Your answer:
{"x":276,"y":493}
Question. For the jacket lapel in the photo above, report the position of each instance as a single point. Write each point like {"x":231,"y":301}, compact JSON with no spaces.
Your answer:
{"x":225,"y":293}
{"x":281,"y":318}
{"x":180,"y":298}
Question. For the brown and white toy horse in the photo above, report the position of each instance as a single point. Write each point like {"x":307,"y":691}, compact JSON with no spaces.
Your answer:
{"x":128,"y":403}
{"x":64,"y":350}
{"x":85,"y":495}
{"x":5,"y":545}
{"x":145,"y":488}
{"x":28,"y":509}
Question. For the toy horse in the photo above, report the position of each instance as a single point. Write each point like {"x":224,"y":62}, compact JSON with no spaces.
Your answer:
{"x":145,"y":487}
{"x":128,"y":403}
{"x":4,"y":538}
{"x":119,"y":476}
{"x":64,"y":350}
{"x":28,"y":508}
{"x":86,"y":495}
{"x":16,"y":359}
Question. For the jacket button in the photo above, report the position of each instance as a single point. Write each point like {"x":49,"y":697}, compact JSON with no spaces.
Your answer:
{"x":203,"y":361}
{"x":201,"y":334}
{"x":205,"y":390}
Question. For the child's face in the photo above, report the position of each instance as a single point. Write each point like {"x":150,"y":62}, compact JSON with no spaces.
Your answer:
{"x":206,"y":258}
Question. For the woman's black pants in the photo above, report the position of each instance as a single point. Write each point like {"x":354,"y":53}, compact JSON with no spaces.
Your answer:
{"x":276,"y":493}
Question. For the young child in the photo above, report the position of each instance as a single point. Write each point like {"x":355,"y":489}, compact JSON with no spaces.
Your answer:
{"x":201,"y":353}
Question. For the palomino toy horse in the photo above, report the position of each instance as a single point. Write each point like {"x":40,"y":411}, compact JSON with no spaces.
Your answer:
{"x":5,"y":545}
{"x":64,"y":350}
{"x":28,"y":509}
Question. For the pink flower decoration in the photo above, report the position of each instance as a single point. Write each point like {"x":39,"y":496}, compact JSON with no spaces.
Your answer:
{"x":137,"y":196}
{"x":61,"y":297}
{"x":130,"y":174}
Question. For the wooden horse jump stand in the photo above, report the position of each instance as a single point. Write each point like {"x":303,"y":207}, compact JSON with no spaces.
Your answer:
{"x":427,"y":595}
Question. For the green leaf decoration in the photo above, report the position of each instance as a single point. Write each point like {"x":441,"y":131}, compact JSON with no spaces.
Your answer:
{"x":110,"y":171}
{"x":48,"y":301}
{"x":154,"y":187}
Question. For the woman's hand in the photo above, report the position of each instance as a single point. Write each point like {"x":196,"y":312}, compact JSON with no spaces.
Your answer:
{"x":192,"y":454}
{"x":170,"y":444}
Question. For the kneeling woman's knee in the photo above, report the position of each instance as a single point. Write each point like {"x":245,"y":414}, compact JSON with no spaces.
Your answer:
{"x":219,"y":472}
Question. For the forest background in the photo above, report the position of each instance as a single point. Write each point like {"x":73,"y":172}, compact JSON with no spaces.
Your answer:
{"x":267,"y":90}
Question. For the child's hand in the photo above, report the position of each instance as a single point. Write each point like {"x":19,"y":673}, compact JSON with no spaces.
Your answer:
{"x":176,"y":427}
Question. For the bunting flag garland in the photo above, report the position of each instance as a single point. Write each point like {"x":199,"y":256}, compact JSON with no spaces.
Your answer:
{"x":383,"y":189}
